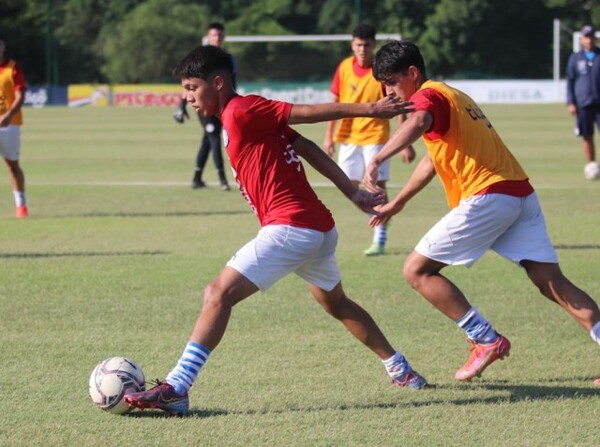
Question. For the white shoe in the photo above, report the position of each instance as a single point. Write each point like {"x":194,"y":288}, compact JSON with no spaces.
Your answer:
{"x":591,"y":171}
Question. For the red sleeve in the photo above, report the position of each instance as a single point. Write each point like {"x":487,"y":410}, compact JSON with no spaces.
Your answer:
{"x":434,"y":103}
{"x":335,"y":84}
{"x":19,"y":78}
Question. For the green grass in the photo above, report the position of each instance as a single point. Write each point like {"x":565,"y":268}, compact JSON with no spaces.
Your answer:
{"x":117,"y":250}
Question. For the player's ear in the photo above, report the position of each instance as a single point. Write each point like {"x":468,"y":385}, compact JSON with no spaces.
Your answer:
{"x":218,"y":82}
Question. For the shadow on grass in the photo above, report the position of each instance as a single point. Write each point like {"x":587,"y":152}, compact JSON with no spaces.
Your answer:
{"x":577,"y":247}
{"x":511,"y":393}
{"x":84,"y":254}
{"x":157,"y":214}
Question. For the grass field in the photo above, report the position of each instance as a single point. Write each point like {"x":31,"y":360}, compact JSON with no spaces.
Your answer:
{"x":117,"y":249}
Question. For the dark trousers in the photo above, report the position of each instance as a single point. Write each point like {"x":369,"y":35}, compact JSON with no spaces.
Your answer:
{"x":211,"y":143}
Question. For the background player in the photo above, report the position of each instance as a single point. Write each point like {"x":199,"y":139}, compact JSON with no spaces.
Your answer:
{"x":361,"y":138}
{"x":211,"y":140}
{"x":12,"y":96}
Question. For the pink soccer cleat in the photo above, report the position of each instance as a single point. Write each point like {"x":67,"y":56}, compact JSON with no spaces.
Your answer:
{"x":483,"y":356}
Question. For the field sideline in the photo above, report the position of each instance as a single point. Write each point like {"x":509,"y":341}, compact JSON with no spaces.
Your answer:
{"x":117,"y":249}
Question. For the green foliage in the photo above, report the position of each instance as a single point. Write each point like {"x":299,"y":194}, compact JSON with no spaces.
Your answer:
{"x":151,"y":39}
{"x":120,"y":41}
{"x":487,"y":46}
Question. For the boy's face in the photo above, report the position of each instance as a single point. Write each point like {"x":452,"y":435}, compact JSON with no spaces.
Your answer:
{"x":202,"y":95}
{"x":363,"y":50}
{"x":403,"y":85}
{"x":215,"y":37}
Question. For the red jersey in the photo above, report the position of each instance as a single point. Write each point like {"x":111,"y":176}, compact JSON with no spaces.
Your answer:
{"x":266,"y":169}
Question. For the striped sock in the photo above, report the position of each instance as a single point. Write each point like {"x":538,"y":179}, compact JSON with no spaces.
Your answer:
{"x":595,"y":332}
{"x":397,"y":365}
{"x":380,"y":235}
{"x":188,"y":367}
{"x":477,"y":328}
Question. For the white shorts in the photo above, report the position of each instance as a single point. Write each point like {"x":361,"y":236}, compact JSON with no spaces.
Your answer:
{"x":10,"y":142}
{"x":281,"y":249}
{"x":353,"y":160}
{"x":514,"y":227}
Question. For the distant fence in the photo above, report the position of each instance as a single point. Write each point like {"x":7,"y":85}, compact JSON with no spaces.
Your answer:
{"x":168,"y":95}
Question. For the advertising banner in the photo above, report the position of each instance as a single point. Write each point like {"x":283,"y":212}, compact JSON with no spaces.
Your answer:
{"x":147,"y":95}
{"x":81,"y":95}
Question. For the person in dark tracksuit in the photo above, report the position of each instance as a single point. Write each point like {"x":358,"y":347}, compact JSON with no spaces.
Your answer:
{"x":211,"y":141}
{"x":583,"y":95}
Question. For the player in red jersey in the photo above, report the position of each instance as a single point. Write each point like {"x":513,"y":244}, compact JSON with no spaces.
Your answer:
{"x":12,"y":96}
{"x":297,"y":231}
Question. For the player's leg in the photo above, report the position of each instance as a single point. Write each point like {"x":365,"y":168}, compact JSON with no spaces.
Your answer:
{"x":379,"y":232}
{"x":171,"y":395}
{"x":362,"y":326}
{"x":586,"y":116}
{"x":555,"y":286}
{"x":214,"y":138}
{"x":10,"y":148}
{"x":201,"y":157}
{"x":460,"y":238}
{"x":322,"y":274}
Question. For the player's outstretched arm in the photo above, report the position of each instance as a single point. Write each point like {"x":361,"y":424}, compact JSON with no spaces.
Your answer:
{"x":386,"y":107}
{"x":319,"y":160}
{"x":421,"y":176}
{"x":406,"y":134}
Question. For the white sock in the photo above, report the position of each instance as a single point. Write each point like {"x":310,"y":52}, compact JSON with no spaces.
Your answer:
{"x":397,"y":365}
{"x":19,"y":198}
{"x":184,"y":374}
{"x":595,"y":332}
{"x":380,"y":235}
{"x":477,"y":328}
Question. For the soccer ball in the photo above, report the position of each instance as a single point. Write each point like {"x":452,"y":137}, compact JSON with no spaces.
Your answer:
{"x":591,"y":171}
{"x":111,"y":379}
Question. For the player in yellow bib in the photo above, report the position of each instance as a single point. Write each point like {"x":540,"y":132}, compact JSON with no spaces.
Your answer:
{"x":493,"y":205}
{"x":361,"y":138}
{"x":12,"y":96}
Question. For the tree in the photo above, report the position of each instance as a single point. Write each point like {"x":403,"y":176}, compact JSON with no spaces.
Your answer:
{"x":475,"y":38}
{"x":150,"y":39}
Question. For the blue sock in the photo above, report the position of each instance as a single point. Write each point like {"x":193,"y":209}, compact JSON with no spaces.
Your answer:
{"x":188,"y":367}
{"x":477,"y":328}
{"x":397,"y":365}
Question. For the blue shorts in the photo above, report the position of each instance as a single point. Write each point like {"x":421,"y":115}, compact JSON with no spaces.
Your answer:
{"x":586,"y":117}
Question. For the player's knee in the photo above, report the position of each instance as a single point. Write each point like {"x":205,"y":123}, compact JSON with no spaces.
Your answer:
{"x":214,"y":295}
{"x":411,"y":273}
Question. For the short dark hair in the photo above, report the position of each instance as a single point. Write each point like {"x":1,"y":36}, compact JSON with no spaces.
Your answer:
{"x":364,"y":31}
{"x":202,"y":62}
{"x":396,"y":56}
{"x":216,"y":25}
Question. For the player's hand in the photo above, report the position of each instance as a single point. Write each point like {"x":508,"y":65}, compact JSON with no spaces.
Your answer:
{"x":408,"y":154}
{"x":390,"y":106}
{"x":5,"y":119}
{"x":385,"y":213}
{"x":371,"y":177}
{"x":367,"y":201}
{"x":180,"y":114}
{"x":572,"y":108}
{"x":329,"y":147}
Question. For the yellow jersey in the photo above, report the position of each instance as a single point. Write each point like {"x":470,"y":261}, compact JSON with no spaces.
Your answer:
{"x":357,"y":87}
{"x":469,"y":156}
{"x":7,"y":91}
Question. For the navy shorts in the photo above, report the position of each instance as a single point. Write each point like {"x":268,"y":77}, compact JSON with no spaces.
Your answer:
{"x":586,"y":117}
